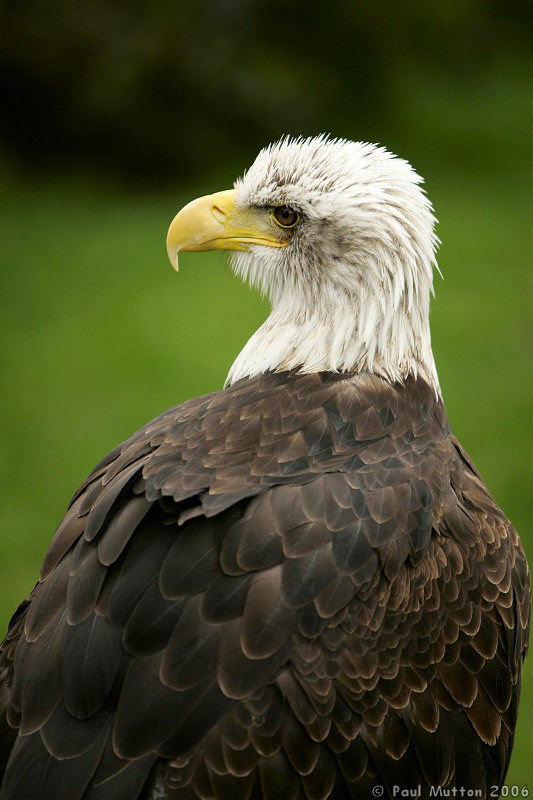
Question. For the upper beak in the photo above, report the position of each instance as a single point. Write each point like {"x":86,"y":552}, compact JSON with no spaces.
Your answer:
{"x":214,"y":222}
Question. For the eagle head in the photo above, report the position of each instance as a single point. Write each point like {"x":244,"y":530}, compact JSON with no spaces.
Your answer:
{"x":341,"y":237}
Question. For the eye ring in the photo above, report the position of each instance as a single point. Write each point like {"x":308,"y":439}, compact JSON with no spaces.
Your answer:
{"x":285,"y":216}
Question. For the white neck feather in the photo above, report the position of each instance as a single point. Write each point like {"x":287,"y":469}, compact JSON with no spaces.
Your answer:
{"x":339,"y":332}
{"x":343,"y":338}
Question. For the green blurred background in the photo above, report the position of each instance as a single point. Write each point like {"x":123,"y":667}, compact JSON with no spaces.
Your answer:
{"x":115,"y":114}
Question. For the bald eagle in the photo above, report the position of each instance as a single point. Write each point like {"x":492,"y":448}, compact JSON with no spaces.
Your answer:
{"x":297,"y":586}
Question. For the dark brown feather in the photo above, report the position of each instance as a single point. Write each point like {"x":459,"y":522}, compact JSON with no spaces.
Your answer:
{"x":297,"y":587}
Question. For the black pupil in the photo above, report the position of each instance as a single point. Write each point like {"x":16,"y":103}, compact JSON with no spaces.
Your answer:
{"x":286,"y":215}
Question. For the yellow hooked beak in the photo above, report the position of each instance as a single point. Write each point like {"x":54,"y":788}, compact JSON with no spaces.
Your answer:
{"x":214,"y":222}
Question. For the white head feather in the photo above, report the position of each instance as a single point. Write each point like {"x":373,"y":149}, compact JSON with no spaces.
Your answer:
{"x":351,"y":290}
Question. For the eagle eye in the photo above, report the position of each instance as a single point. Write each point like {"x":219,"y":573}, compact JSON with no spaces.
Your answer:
{"x":285,"y":216}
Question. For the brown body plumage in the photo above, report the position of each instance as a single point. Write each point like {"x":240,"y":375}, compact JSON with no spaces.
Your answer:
{"x":298,"y":587}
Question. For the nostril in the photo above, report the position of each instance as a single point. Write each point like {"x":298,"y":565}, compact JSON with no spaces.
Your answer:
{"x":218,"y":213}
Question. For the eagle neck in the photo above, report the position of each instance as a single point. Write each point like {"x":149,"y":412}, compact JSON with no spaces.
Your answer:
{"x":316,"y":336}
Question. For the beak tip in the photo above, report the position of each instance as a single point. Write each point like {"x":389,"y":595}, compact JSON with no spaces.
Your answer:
{"x":173,"y":257}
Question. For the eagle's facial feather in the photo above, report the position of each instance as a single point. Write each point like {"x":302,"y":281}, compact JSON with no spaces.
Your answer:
{"x":351,"y":289}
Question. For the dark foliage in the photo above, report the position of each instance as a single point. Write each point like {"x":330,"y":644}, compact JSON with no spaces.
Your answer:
{"x":162,"y":89}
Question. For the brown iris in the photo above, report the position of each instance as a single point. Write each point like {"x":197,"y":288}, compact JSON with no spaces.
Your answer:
{"x":285,"y":216}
